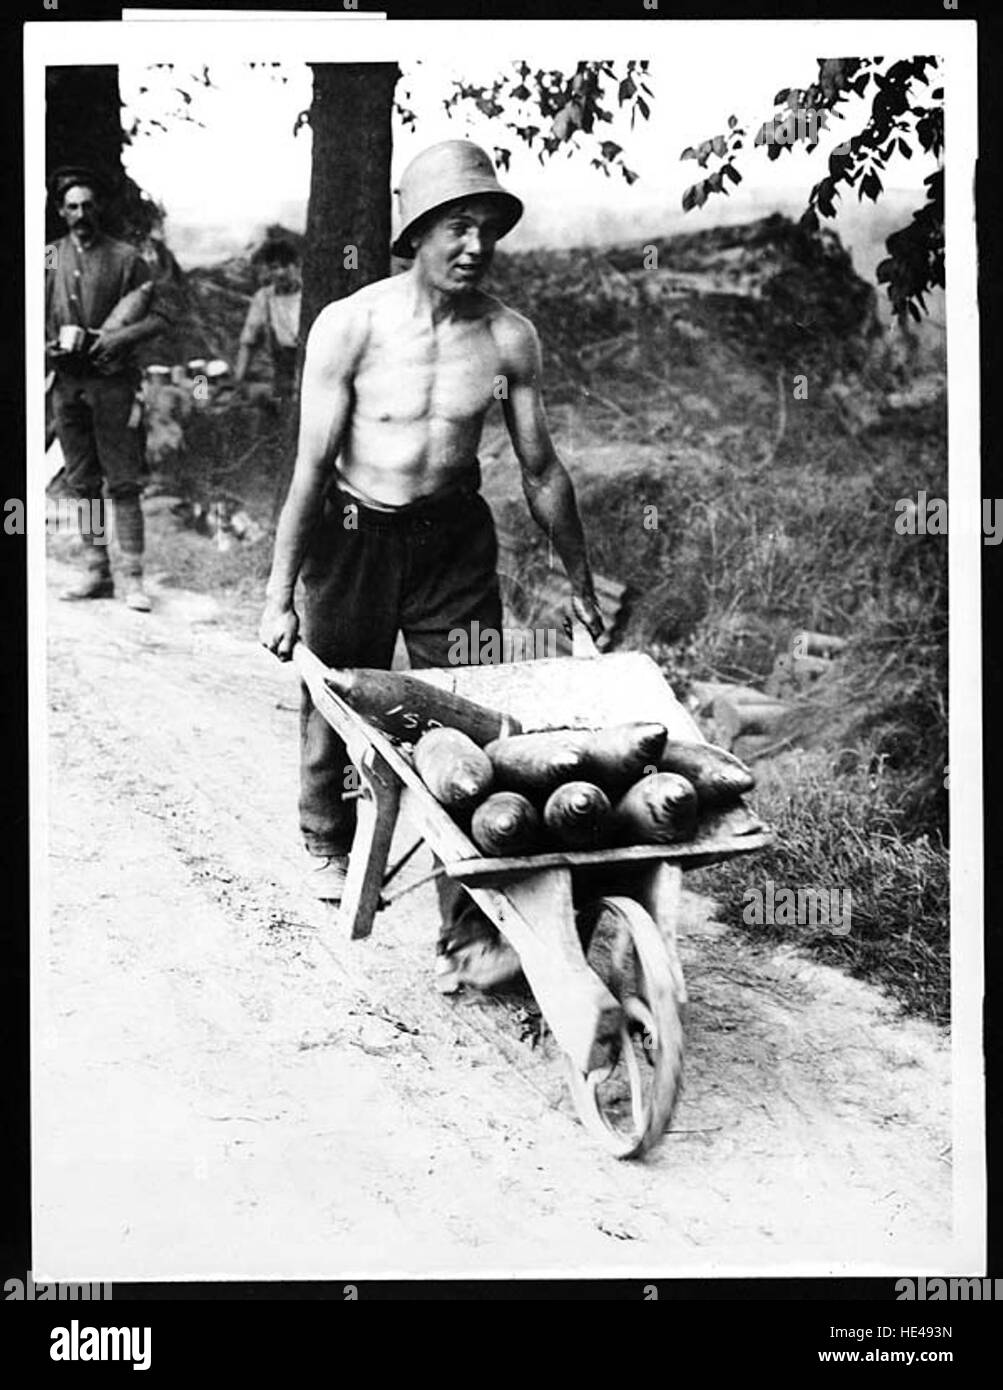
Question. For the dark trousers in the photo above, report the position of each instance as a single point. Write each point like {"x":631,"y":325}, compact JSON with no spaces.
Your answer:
{"x":102,"y":453}
{"x":426,"y":570}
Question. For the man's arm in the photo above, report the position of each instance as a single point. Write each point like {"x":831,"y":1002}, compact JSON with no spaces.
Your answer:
{"x":51,"y":261}
{"x":332,"y":351}
{"x":251,"y":334}
{"x":111,"y":344}
{"x":545,"y":481}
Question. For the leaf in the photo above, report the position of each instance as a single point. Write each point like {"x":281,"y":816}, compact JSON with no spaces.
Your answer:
{"x":719,"y":146}
{"x":839,"y":164}
{"x":781,"y":96}
{"x":732,"y":122}
{"x":905,"y":149}
{"x":643,"y":107}
{"x":732,"y":173}
{"x":627,"y":89}
{"x":567,"y":120}
{"x":823,"y":193}
{"x":609,"y":149}
{"x":870,"y":186}
{"x":809,"y":221}
{"x":688,"y":153}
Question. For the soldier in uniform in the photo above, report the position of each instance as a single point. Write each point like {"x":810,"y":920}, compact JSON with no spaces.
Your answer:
{"x":88,"y":275}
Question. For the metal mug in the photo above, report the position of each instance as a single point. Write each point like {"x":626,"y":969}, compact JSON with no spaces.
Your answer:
{"x":72,"y":337}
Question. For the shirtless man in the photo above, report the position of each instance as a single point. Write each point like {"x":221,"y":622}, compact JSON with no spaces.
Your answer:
{"x":384,"y":521}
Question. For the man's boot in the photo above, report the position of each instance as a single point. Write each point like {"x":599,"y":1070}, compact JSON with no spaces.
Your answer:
{"x":134,"y":594}
{"x":97,"y":581}
{"x":129,"y":532}
{"x":326,"y":877}
{"x":471,"y":950}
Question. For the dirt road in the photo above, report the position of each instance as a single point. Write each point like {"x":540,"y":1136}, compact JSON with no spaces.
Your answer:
{"x":225,"y":1085}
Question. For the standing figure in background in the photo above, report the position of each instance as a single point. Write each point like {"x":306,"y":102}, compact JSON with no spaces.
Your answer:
{"x":100,"y":302}
{"x":273,"y":318}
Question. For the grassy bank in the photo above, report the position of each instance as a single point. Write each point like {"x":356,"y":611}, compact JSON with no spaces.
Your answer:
{"x":840,"y":827}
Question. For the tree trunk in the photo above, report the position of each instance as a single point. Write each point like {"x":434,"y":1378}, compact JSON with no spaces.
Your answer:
{"x":349,"y":213}
{"x":83,"y":125}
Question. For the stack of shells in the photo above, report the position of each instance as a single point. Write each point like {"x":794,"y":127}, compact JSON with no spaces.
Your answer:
{"x":577,"y":789}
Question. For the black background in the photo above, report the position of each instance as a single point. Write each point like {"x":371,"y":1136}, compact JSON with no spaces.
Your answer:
{"x":760,"y":1328}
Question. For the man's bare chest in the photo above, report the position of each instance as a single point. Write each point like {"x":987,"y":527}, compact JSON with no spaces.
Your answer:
{"x":445,"y":375}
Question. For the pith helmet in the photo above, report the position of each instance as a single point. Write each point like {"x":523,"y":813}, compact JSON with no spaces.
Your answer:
{"x":441,"y":174}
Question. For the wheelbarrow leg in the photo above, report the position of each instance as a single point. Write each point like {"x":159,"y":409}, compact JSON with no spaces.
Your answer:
{"x":536,"y":916}
{"x":660,"y":890}
{"x":376,"y":818}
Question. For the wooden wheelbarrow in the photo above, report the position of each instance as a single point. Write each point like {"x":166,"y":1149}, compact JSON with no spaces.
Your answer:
{"x":614,"y":1004}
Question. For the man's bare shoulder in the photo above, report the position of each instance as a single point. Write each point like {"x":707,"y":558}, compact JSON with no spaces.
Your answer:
{"x":357,"y":310}
{"x":340,"y":331}
{"x":515,"y":335}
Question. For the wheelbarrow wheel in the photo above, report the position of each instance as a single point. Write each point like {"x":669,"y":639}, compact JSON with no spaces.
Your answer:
{"x":627,"y":1102}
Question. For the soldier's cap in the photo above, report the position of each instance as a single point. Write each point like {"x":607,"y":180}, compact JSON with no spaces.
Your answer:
{"x":447,"y":173}
{"x":69,"y":175}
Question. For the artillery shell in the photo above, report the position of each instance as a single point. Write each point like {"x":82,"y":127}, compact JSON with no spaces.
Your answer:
{"x":576,"y":815}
